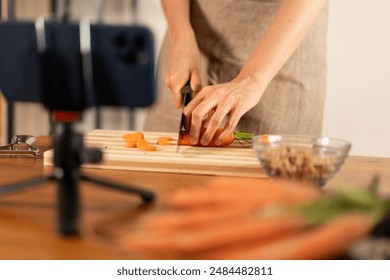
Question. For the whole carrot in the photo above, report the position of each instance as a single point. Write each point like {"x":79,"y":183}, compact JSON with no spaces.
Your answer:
{"x":242,"y":192}
{"x":324,"y":241}
{"x":206,"y":238}
{"x":319,"y":229}
{"x":185,"y":139}
{"x":186,"y":220}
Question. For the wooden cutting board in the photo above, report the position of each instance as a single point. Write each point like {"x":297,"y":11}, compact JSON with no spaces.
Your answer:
{"x":234,"y":160}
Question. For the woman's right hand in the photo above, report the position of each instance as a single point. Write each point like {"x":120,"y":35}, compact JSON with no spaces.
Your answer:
{"x":183,"y":63}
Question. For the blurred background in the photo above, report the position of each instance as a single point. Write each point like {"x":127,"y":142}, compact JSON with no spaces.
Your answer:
{"x":358,"y":91}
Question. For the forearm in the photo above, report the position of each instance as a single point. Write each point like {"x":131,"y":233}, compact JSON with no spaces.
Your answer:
{"x":286,"y":31}
{"x":184,"y":55}
{"x":177,"y":14}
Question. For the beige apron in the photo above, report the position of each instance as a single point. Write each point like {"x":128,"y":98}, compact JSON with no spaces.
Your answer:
{"x":227,"y":32}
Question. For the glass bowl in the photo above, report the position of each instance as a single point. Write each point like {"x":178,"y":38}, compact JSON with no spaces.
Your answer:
{"x":305,"y":158}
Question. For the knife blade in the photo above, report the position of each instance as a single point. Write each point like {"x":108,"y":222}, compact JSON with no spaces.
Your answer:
{"x":186,"y":97}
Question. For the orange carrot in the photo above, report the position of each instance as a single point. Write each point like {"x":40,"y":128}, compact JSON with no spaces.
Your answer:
{"x":137,"y":140}
{"x":193,"y":241}
{"x":225,"y":212}
{"x":134,"y":135}
{"x":185,"y":139}
{"x":141,"y":142}
{"x":131,"y":144}
{"x":164,"y":138}
{"x":325,"y":241}
{"x":175,"y":220}
{"x":144,"y":146}
{"x":242,"y":192}
{"x":264,"y":139}
{"x":147,"y":148}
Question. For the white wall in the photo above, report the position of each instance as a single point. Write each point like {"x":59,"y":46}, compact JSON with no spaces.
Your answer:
{"x":358,"y":93}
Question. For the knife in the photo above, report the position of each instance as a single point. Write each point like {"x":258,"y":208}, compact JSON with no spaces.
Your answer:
{"x":186,"y":97}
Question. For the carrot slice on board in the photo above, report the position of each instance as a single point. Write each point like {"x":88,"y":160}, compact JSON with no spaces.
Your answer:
{"x":141,"y":142}
{"x":164,"y":138}
{"x":147,"y":148}
{"x":131,"y":144}
{"x":134,"y":135}
{"x":164,"y":143}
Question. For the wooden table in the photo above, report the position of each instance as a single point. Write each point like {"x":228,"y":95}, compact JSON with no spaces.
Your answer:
{"x":28,"y":219}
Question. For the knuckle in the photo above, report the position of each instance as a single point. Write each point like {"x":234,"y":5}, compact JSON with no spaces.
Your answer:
{"x":196,"y":117}
{"x":215,"y":121}
{"x":230,"y":126}
{"x":197,"y":87}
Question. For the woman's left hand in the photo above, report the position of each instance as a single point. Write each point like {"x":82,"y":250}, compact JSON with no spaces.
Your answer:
{"x":213,"y":104}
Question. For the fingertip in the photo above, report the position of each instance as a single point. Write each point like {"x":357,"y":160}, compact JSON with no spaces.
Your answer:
{"x":193,"y":140}
{"x":178,"y":104}
{"x":218,"y":142}
{"x":203,"y":142}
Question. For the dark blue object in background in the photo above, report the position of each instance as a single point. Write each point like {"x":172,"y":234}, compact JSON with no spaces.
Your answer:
{"x":122,"y":59}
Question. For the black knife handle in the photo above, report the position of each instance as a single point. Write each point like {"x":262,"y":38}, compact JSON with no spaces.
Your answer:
{"x":186,"y":97}
{"x":186,"y":91}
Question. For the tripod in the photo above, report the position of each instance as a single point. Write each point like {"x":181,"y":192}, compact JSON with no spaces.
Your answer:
{"x":69,"y":154}
{"x":64,"y":58}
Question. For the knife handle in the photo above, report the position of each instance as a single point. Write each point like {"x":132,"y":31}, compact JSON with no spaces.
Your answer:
{"x":186,"y":94}
{"x":186,"y":97}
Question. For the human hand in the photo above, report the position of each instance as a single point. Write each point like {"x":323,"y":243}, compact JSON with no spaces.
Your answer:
{"x":183,"y":65}
{"x":213,"y":104}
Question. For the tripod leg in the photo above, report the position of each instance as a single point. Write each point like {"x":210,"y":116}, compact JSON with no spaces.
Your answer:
{"x":66,"y":144}
{"x":146,"y":196}
{"x":68,"y":204}
{"x":19,"y":186}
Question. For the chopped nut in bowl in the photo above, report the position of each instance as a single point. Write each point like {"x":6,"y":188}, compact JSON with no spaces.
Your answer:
{"x":312,"y":159}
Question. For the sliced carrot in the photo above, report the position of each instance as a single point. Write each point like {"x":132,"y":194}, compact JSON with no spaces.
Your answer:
{"x":141,"y":142}
{"x":143,"y":145}
{"x":131,"y":141}
{"x":131,"y":144}
{"x":164,"y":138}
{"x":147,"y":148}
{"x":134,"y":135}
{"x":164,"y":143}
{"x":137,"y":140}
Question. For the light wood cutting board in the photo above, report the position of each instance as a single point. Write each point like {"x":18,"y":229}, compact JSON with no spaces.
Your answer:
{"x":233,"y":160}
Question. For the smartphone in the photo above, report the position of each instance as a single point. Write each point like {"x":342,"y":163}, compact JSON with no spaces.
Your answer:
{"x":123,"y":65}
